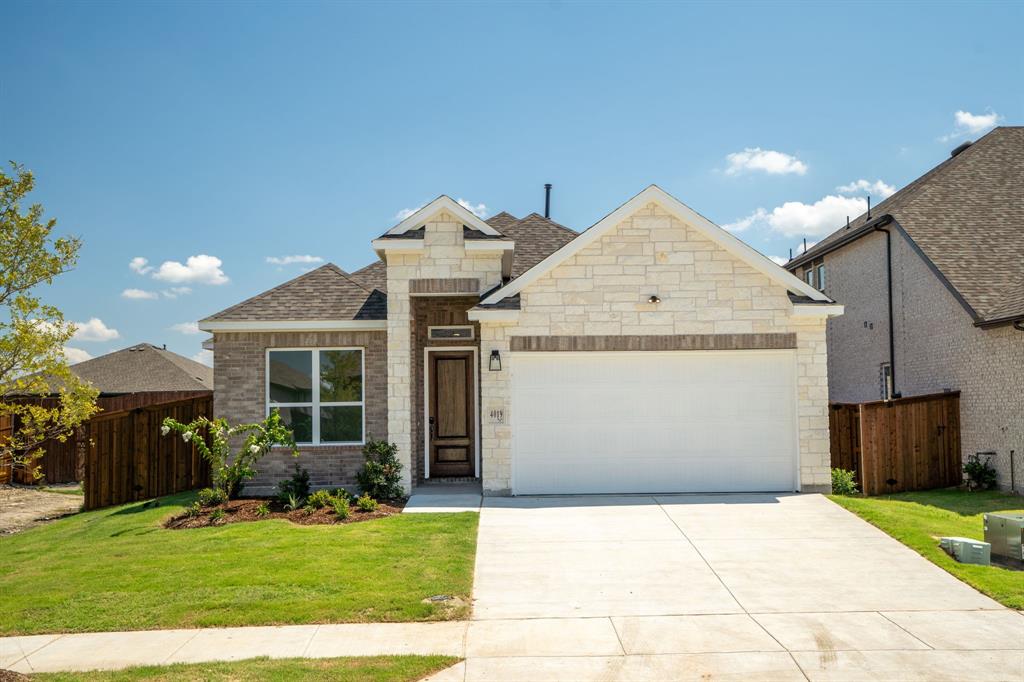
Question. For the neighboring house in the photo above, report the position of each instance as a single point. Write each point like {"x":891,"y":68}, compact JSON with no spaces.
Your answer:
{"x":143,"y":375}
{"x":957,"y":299}
{"x":653,"y":352}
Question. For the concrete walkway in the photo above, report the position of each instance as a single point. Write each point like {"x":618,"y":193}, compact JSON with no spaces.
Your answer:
{"x":632,"y":588}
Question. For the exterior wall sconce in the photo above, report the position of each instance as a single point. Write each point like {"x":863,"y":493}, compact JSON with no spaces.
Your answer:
{"x":495,"y":362}
{"x":654,"y":299}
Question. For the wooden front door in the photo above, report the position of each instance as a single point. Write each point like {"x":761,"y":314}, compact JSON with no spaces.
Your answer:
{"x":451,"y":423}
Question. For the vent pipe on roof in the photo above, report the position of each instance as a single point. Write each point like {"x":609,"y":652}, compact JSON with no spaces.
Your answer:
{"x":547,"y":200}
{"x":959,"y":149}
{"x":869,"y":207}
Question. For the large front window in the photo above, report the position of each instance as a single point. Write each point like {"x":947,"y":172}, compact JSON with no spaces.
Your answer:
{"x":319,"y":393}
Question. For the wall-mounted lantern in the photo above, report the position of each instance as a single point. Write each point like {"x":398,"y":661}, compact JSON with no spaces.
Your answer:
{"x":495,"y":362}
{"x":654,"y":299}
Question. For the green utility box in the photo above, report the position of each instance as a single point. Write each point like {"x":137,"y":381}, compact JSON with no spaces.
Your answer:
{"x":1005,"y":532}
{"x":967,"y":550}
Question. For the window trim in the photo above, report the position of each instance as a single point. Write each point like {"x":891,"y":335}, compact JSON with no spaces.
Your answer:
{"x":820,"y":278}
{"x":315,"y":404}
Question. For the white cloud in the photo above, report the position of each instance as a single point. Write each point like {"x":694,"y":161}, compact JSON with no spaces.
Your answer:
{"x":140,"y":265}
{"x":745,"y":223}
{"x":966,"y":123}
{"x":876,"y":188}
{"x":138,"y":294}
{"x":175,"y":292}
{"x":479,"y":210}
{"x":779,"y":260}
{"x":75,"y":355}
{"x":288,"y":260}
{"x":764,"y":160}
{"x":186,"y":327}
{"x":795,"y":218}
{"x":201,"y":269}
{"x":94,"y":330}
{"x":204,"y":356}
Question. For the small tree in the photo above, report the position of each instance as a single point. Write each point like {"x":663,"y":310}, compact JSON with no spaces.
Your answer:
{"x":40,"y":398}
{"x":229,"y":472}
{"x":381,"y":475}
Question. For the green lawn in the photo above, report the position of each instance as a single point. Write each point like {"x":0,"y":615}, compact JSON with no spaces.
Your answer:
{"x":370,"y":669}
{"x":919,"y":519}
{"x":118,"y":569}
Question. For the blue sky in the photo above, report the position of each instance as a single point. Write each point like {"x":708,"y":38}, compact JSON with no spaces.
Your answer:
{"x":231,"y":133}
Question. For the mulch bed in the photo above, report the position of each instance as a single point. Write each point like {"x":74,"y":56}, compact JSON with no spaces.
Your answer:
{"x":242,"y":511}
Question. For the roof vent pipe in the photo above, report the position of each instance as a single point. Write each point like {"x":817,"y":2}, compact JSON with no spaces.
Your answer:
{"x":869,"y":207}
{"x":547,"y":199}
{"x":959,"y":149}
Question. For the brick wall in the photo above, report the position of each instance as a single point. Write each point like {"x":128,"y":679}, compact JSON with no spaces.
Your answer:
{"x":603,"y":290}
{"x":239,"y":378}
{"x":937,"y":347}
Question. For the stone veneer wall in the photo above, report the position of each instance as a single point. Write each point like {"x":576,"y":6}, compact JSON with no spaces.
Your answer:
{"x":239,"y":377}
{"x":603,"y":290}
{"x":432,"y":311}
{"x":444,"y":256}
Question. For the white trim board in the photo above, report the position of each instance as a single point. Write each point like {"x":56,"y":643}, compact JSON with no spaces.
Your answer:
{"x":442,"y":203}
{"x":292,"y":325}
{"x":655,"y":194}
{"x":426,"y":404}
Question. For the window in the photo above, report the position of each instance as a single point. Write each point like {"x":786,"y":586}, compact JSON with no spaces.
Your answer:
{"x":329,"y":409}
{"x":449,"y":332}
{"x":809,"y":276}
{"x":820,"y":275}
{"x":885,"y":381}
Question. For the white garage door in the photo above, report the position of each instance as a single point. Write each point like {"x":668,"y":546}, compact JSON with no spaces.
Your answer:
{"x":653,"y":422}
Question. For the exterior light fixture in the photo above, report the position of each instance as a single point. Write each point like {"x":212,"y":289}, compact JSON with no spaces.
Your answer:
{"x":495,"y":362}
{"x":654,"y":299}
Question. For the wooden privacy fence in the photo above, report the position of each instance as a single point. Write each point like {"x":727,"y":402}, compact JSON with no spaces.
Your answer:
{"x":897,"y":445}
{"x":127,"y":459}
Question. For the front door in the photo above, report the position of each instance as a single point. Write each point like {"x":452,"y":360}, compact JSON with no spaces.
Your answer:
{"x":451,"y":423}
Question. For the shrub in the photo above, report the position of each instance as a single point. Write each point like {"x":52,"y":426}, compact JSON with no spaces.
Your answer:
{"x":309,"y":510}
{"x":843,"y":482}
{"x":193,"y":510}
{"x":341,"y":493}
{"x":381,"y":475}
{"x":294,"y":502}
{"x":341,"y":508}
{"x":217,"y":516}
{"x":209,"y":497}
{"x":262,"y":510}
{"x":366,"y":503}
{"x":230,"y":472}
{"x":319,"y":499}
{"x":980,"y":474}
{"x":297,"y":485}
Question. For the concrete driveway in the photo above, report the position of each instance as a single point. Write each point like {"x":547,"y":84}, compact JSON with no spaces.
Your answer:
{"x":719,"y":587}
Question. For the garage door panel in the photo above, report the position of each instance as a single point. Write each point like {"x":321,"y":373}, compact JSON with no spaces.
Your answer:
{"x":643,"y":422}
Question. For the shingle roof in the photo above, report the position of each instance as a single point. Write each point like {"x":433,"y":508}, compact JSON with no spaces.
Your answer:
{"x":144,"y":368}
{"x":373,"y":276}
{"x":967,"y":216}
{"x":326,"y":293}
{"x":536,"y":238}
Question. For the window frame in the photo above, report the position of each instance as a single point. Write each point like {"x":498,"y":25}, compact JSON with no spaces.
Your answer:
{"x":431,"y":328}
{"x":820,"y":278}
{"x":316,"y":404}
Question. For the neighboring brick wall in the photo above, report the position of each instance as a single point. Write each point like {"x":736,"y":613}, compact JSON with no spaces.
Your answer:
{"x":239,"y":378}
{"x":427,"y":312}
{"x":444,"y":257}
{"x":603,"y":290}
{"x":937,"y":347}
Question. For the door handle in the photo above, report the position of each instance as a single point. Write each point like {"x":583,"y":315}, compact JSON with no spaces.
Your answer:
{"x":431,"y":422}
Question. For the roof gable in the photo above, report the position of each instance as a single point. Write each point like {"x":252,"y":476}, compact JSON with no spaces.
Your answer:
{"x":655,"y":194}
{"x":144,"y":368}
{"x":443,"y":203}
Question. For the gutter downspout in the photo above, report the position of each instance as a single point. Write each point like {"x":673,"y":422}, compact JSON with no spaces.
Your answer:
{"x":892,"y":332}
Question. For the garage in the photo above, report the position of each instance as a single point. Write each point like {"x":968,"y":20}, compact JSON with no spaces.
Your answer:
{"x":648,"y":422}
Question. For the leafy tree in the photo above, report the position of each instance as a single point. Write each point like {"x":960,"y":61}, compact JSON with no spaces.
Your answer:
{"x":40,"y":398}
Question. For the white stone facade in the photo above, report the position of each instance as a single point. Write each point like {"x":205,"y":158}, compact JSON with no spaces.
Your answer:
{"x":604,"y":289}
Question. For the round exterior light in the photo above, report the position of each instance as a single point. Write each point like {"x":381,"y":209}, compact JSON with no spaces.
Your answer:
{"x":654,"y":299}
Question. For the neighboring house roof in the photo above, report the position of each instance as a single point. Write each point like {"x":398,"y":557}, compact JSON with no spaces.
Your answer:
{"x":536,"y":238}
{"x":966,"y":216}
{"x":653,"y":193}
{"x":326,"y":293}
{"x":373,"y":276}
{"x":144,"y":368}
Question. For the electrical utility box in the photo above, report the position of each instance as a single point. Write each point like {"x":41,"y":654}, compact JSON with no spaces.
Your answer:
{"x":967,"y":550}
{"x":1005,"y":532}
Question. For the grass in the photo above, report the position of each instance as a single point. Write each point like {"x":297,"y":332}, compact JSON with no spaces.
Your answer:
{"x":64,"y":490}
{"x":919,"y":519}
{"x":369,"y":669}
{"x":118,"y":569}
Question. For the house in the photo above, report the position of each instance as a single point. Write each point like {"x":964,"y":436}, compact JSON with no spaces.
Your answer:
{"x":653,"y":352}
{"x":141,"y":376}
{"x":933,"y":284}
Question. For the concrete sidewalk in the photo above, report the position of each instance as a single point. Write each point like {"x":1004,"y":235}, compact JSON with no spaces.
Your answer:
{"x":906,"y":645}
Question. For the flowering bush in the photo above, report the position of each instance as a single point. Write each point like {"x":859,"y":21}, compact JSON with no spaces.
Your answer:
{"x":212,"y":439}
